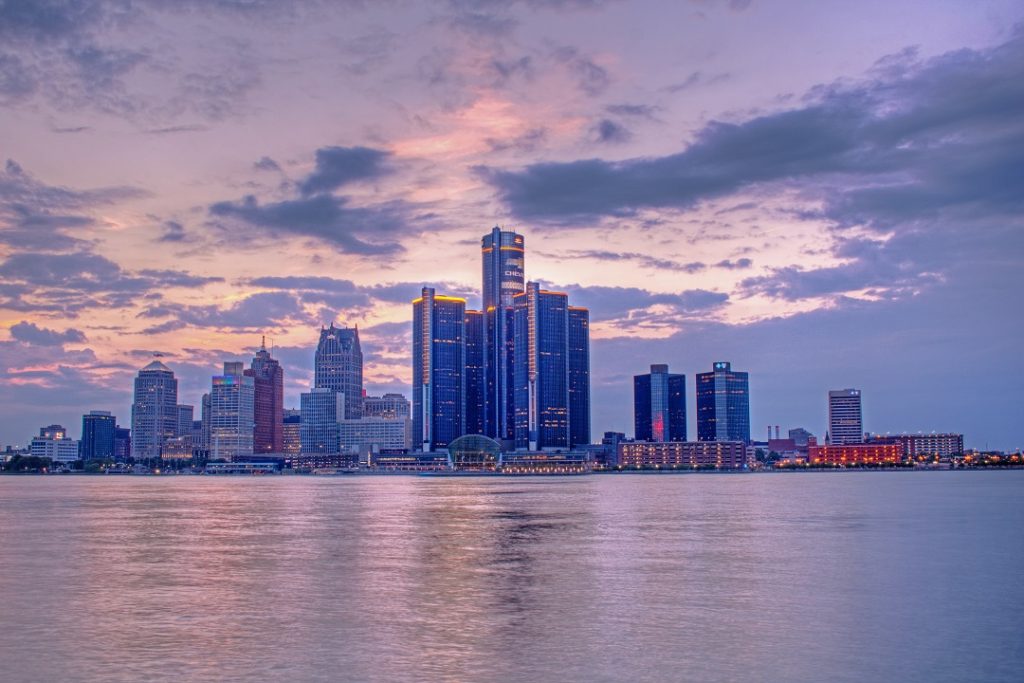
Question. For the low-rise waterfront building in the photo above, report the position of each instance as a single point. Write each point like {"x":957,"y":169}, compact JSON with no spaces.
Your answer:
{"x":856,"y":454}
{"x":683,"y":454}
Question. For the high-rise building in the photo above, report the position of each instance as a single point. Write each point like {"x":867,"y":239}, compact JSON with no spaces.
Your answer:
{"x":659,"y":405}
{"x":503,"y":254}
{"x":845,"y":423}
{"x":541,"y":369}
{"x":320,"y":412}
{"x":579,"y":376}
{"x":122,"y":443}
{"x":338,"y":365}
{"x":98,"y":435}
{"x":184,"y":427}
{"x":476,"y":394}
{"x":154,"y":410}
{"x":800,"y":436}
{"x":205,"y":419}
{"x":291,"y":432}
{"x":438,"y":370}
{"x":268,"y":401}
{"x":723,"y":404}
{"x":231,"y":414}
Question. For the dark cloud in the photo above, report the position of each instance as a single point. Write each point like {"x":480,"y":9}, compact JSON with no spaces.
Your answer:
{"x":173,"y":232}
{"x":630,"y":303}
{"x":30,"y":333}
{"x":644,"y":111}
{"x":738,"y":264}
{"x":337,"y":166}
{"x":261,"y":311}
{"x":356,"y":230}
{"x":926,"y":156}
{"x":592,"y":78}
{"x":266,"y":164}
{"x":606,"y":131}
{"x":643,"y":260}
{"x":697,"y":78}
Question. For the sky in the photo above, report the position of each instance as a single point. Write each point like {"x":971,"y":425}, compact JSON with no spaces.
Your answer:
{"x":827,"y":195}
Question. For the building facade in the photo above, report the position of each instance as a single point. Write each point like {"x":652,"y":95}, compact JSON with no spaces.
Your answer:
{"x":926,"y":446}
{"x":579,"y":376}
{"x":438,"y":370}
{"x":541,"y":365}
{"x":338,"y":365}
{"x":268,"y":401}
{"x":855,"y":454}
{"x":728,"y":455}
{"x":53,"y":443}
{"x":320,"y":412}
{"x":388,"y":405}
{"x":154,"y":410}
{"x":184,"y":427}
{"x":659,"y":405}
{"x":232,"y":401}
{"x":476,"y":394}
{"x":503,"y":254}
{"x":291,"y":437}
{"x":97,"y":441}
{"x":845,"y":419}
{"x":723,"y":404}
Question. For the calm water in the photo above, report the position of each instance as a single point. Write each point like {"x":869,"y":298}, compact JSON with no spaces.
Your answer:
{"x":784,"y":577}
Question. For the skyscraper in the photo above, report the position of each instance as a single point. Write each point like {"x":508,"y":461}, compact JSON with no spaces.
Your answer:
{"x":541,"y":369}
{"x":438,"y":370}
{"x":338,"y":365}
{"x":231,"y":414}
{"x":723,"y":404}
{"x":659,"y":405}
{"x":579,"y":376}
{"x":97,"y":441}
{"x":320,"y":412}
{"x":845,"y":421}
{"x":476,"y":401}
{"x":184,"y":427}
{"x":154,"y":410}
{"x":503,"y":253}
{"x":268,"y":401}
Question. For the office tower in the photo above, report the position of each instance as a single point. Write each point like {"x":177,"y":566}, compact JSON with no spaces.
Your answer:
{"x":579,"y":376}
{"x":291,"y":438}
{"x":122,"y":443}
{"x":723,"y":404}
{"x":339,"y":366}
{"x":98,"y":435}
{"x":438,"y":370}
{"x":154,"y":410}
{"x":231,"y":414}
{"x":845,"y":424}
{"x":541,"y":369}
{"x":320,"y":412}
{"x":184,"y":426}
{"x":53,"y":443}
{"x":659,"y":405}
{"x":503,"y":254}
{"x":388,"y":405}
{"x":205,"y":419}
{"x":268,"y":401}
{"x":475,"y":385}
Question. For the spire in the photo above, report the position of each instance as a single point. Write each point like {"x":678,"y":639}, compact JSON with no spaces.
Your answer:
{"x":263,"y":343}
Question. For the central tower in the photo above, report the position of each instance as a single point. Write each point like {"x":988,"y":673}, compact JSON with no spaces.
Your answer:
{"x":503,"y":253}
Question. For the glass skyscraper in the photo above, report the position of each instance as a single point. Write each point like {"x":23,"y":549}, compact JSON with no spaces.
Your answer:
{"x":268,"y":378}
{"x":552,"y":371}
{"x":503,"y":254}
{"x":579,"y":376}
{"x":154,"y":410}
{"x":723,"y":404}
{"x":320,"y":410}
{"x":338,"y":365}
{"x":232,"y":401}
{"x":475,"y":386}
{"x":97,"y":441}
{"x":659,"y":405}
{"x":438,"y":370}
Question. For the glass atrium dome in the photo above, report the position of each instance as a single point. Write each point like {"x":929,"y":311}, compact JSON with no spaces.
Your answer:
{"x":474,"y":452}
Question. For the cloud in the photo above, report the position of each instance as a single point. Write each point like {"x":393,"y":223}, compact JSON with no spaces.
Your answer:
{"x":173,"y":232}
{"x":622,"y":304}
{"x":643,"y":260}
{"x":29,"y":333}
{"x":644,"y":111}
{"x":591,"y":78}
{"x":261,"y":311}
{"x":337,"y":166}
{"x":608,"y":131}
{"x":266,"y":164}
{"x":738,"y":264}
{"x":526,"y":142}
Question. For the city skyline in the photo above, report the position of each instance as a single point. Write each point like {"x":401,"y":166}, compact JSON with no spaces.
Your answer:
{"x":173,"y":184}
